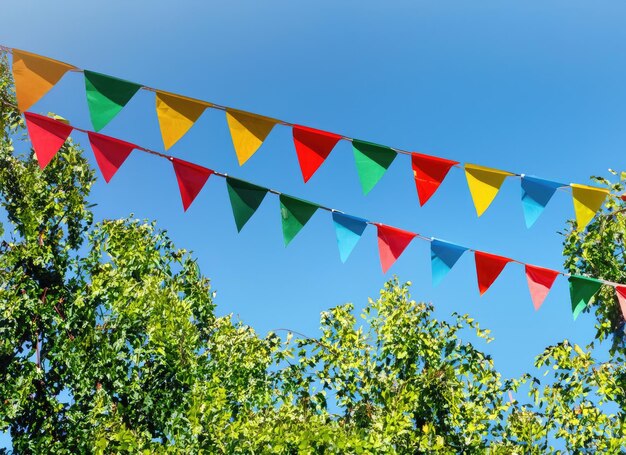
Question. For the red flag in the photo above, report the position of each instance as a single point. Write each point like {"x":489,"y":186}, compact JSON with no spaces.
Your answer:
{"x":488,"y":267}
{"x":110,"y":153}
{"x":391,"y":243}
{"x":621,"y":297}
{"x":540,"y":281}
{"x":429,"y":172}
{"x":47,"y":136}
{"x":191,"y":178}
{"x":313,"y":147}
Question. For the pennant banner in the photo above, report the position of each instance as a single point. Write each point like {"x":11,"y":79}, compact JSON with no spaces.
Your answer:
{"x":488,"y":269}
{"x":176,"y":115}
{"x":620,"y":291}
{"x":295,"y":213}
{"x":536,"y":193}
{"x":540,"y":281}
{"x":582,"y":289}
{"x":429,"y":172}
{"x":587,"y":201}
{"x":372,"y":161}
{"x":34,"y":76}
{"x":443,"y":256}
{"x":106,"y":96}
{"x":391,"y":243}
{"x":348,"y":230}
{"x":248,"y":132}
{"x":110,"y":153}
{"x":191,"y":178}
{"x":47,"y":136}
{"x":484,"y":184}
{"x":245,"y":198}
{"x":312,"y":148}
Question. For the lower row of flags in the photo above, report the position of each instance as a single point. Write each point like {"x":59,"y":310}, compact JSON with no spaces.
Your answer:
{"x":48,"y":135}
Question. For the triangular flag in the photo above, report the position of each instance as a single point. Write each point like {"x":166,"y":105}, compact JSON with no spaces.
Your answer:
{"x":191,"y":178}
{"x":443,"y":256}
{"x":348,"y":230}
{"x":106,"y":96}
{"x":47,"y":136}
{"x":110,"y":153}
{"x":620,"y":291}
{"x":391,"y":243}
{"x":294,"y":215}
{"x":540,"y":281}
{"x":372,"y":161}
{"x":312,"y":147}
{"x":176,"y":115}
{"x":248,"y":132}
{"x":587,"y":201}
{"x":245,"y":198}
{"x":536,"y":194}
{"x":484,"y":184}
{"x":34,"y":76}
{"x":582,"y":289}
{"x":429,"y":172}
{"x":488,"y":268}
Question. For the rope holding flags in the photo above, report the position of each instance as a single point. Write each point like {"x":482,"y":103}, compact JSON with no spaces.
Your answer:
{"x":35,"y":75}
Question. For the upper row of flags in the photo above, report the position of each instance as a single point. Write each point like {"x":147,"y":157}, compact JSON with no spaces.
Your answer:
{"x":35,"y":75}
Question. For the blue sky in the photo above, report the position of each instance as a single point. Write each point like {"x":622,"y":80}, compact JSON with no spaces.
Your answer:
{"x":534,"y":87}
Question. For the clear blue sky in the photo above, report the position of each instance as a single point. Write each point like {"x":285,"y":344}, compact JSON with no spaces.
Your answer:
{"x":534,"y":87}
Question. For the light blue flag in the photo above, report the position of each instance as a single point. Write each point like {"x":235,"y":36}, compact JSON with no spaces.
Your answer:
{"x":348,"y":229}
{"x":443,"y":256}
{"x":535,"y":196}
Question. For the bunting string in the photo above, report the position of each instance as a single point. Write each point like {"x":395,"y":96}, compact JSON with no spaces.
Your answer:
{"x":49,"y":134}
{"x":106,"y":96}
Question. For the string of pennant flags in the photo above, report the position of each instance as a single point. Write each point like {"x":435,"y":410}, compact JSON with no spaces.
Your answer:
{"x":48,"y":135}
{"x":35,"y":75}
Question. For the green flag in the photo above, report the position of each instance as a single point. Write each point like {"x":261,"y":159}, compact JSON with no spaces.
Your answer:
{"x":106,"y":96}
{"x":294,"y":214}
{"x":245,"y":198}
{"x":372,"y":161}
{"x":581,"y":289}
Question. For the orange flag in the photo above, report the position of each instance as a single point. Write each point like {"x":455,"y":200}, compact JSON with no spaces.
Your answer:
{"x":34,"y":76}
{"x":176,"y":115}
{"x":248,"y":132}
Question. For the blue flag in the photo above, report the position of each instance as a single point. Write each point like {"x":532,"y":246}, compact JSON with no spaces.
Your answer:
{"x":535,"y":196}
{"x":348,"y":229}
{"x":443,"y":256}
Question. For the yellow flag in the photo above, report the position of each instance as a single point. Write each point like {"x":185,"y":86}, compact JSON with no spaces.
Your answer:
{"x":248,"y":132}
{"x":587,"y":201}
{"x":484,"y":184}
{"x":34,"y":76}
{"x":176,"y":115}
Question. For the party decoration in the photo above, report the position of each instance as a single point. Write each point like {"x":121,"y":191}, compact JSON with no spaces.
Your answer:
{"x":248,"y":132}
{"x":372,"y":161}
{"x":429,"y":172}
{"x":488,"y":268}
{"x":106,"y":96}
{"x":312,"y":147}
{"x":587,"y":201}
{"x":620,"y":291}
{"x":245,"y":199}
{"x":191,"y":178}
{"x":582,"y":289}
{"x":34,"y":76}
{"x":110,"y":153}
{"x":47,"y":136}
{"x":484,"y":184}
{"x":540,"y":281}
{"x":391,"y":243}
{"x":176,"y":115}
{"x":348,"y":230}
{"x":295,"y":213}
{"x":443,"y":256}
{"x":536,"y":193}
